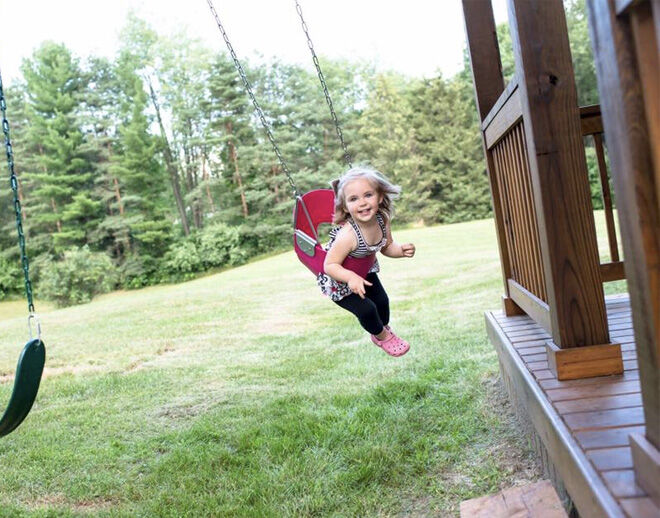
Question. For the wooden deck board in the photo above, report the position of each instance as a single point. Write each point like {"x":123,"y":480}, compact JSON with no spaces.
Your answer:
{"x":607,"y":437}
{"x":622,"y":483}
{"x":598,"y":414}
{"x":537,"y":499}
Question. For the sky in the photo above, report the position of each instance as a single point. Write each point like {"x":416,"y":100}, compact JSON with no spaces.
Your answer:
{"x":416,"y":37}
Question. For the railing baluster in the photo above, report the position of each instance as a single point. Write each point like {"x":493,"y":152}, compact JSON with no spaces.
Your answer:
{"x":607,"y":197}
{"x":536,"y":245}
{"x":512,"y":173}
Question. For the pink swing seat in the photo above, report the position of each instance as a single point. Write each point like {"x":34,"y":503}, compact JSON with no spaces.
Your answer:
{"x":311,"y":210}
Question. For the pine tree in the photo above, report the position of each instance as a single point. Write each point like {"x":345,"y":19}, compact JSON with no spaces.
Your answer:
{"x":58,"y":176}
{"x":101,"y":120}
{"x":448,"y":138}
{"x":386,"y":141}
{"x":228,"y":110}
{"x":142,"y":177}
{"x":183,"y":76}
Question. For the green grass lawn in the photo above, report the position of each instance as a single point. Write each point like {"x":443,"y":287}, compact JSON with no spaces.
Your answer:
{"x":247,"y":393}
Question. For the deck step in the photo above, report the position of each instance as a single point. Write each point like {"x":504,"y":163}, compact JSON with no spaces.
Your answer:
{"x":537,"y":500}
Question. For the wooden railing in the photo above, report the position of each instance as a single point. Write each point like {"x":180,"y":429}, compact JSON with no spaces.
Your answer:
{"x":504,"y":134}
{"x":512,"y":170}
{"x":542,"y":155}
{"x":592,"y":126}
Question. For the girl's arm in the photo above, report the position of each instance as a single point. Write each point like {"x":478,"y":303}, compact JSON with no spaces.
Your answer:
{"x":344,"y":244}
{"x":394,"y":249}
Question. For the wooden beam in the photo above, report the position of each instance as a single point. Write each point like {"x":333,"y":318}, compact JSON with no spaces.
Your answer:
{"x":510,"y":307}
{"x":625,"y":119}
{"x":508,"y":114}
{"x":584,"y":362}
{"x":484,"y":53}
{"x":531,"y":304}
{"x":621,"y":6}
{"x":590,"y":119}
{"x":612,"y":271}
{"x":488,"y":86}
{"x":646,"y":459}
{"x":647,"y":46}
{"x":501,"y":101}
{"x":608,"y":206}
{"x":559,"y":173}
{"x":591,"y":125}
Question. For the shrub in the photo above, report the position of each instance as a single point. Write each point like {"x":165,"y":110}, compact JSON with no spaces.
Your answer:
{"x":138,"y":271}
{"x":77,"y":277}
{"x":11,"y":278}
{"x":182,"y":260}
{"x":220,"y":245}
{"x":264,"y":238}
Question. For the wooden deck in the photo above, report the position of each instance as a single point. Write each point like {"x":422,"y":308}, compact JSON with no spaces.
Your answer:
{"x":583,"y":424}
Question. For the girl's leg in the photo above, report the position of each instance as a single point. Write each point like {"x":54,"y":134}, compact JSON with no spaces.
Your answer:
{"x":366,"y":312}
{"x":377,"y":294}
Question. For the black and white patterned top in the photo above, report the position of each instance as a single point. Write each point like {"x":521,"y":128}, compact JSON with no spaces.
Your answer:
{"x":338,"y":290}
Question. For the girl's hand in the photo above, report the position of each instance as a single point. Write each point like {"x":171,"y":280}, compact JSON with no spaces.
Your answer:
{"x":356,"y":284}
{"x":408,"y":250}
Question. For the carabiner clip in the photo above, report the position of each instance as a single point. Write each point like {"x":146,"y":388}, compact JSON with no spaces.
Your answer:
{"x":31,"y":317}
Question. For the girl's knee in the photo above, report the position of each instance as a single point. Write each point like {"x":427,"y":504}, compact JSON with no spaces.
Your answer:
{"x":367,"y":309}
{"x":381,"y":301}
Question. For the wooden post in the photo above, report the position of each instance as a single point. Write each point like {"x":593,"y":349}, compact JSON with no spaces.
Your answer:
{"x":561,"y":191}
{"x":484,"y":54}
{"x":626,"y":51}
{"x":488,"y":86}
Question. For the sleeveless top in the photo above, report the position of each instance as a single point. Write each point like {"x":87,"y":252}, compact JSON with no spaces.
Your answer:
{"x":337,"y":290}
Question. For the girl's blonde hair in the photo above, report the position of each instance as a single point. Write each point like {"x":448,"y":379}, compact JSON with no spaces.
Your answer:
{"x":387,"y":189}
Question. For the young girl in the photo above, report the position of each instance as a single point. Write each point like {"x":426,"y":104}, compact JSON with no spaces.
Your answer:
{"x":363,"y":209}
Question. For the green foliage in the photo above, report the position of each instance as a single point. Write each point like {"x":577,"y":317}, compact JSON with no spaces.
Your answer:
{"x":264,"y":237}
{"x":57,"y":171}
{"x":220,"y":245}
{"x":583,"y":60}
{"x":11,"y":278}
{"x":182,"y":260}
{"x":138,"y":271}
{"x":77,"y":277}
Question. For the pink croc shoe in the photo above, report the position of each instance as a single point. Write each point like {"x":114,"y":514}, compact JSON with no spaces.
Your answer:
{"x":392,"y":345}
{"x":376,"y":340}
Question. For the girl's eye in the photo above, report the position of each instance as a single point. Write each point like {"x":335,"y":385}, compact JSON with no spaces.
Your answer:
{"x":369,"y":195}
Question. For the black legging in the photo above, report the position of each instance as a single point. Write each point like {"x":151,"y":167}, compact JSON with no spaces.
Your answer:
{"x":373,"y":311}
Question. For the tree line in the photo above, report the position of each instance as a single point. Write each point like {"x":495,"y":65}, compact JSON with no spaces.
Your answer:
{"x":153,"y":167}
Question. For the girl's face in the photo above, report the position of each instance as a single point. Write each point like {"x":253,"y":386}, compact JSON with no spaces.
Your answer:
{"x":362,"y":200}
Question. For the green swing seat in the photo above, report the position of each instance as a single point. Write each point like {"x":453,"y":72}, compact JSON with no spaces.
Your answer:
{"x":26,"y":385}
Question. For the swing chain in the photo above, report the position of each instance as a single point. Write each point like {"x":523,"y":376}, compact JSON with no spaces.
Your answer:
{"x":340,"y":135}
{"x":256,"y":105}
{"x":13,"y":180}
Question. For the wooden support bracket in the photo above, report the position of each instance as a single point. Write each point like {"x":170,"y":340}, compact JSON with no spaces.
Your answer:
{"x":588,"y":361}
{"x":646,"y":461}
{"x":510,"y":307}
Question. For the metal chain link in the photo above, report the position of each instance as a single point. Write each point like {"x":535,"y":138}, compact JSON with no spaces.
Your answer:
{"x":17,"y":204}
{"x":340,"y":135}
{"x":257,"y":107}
